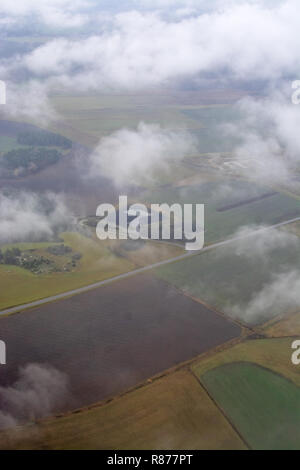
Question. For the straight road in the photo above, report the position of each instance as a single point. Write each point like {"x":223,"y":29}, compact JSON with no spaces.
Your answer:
{"x":80,"y":290}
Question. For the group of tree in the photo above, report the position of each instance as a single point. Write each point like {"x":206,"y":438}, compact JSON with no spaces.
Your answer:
{"x":13,"y":257}
{"x":30,"y":158}
{"x":43,"y":138}
{"x":10,"y":256}
{"x":35,"y":263}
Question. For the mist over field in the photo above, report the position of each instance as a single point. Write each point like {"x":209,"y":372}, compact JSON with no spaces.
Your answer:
{"x":28,"y":216}
{"x":38,"y":390}
{"x":167,"y":101}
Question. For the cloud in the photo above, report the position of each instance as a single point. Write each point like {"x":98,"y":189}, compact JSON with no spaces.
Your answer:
{"x":268,"y":135}
{"x":246,"y":41}
{"x":30,"y":101}
{"x":39,"y":390}
{"x":28,"y":216}
{"x":64,"y":13}
{"x":282,"y":294}
{"x":258,"y":242}
{"x":134,"y":156}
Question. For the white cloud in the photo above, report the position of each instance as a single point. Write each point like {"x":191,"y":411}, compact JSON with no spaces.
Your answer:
{"x":282,"y":294}
{"x":130,"y":157}
{"x":39,"y":390}
{"x":247,"y":41}
{"x":63,"y":13}
{"x":27,"y":216}
{"x":30,"y":101}
{"x":258,"y":242}
{"x":268,"y":132}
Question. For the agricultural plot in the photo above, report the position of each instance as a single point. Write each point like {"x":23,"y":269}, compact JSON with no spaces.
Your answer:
{"x":263,"y":406}
{"x":87,"y":118}
{"x":249,"y":294}
{"x":229,"y":204}
{"x":282,"y":327}
{"x":42,"y":272}
{"x":173,"y":412}
{"x":273,"y":354}
{"x":116,"y":348}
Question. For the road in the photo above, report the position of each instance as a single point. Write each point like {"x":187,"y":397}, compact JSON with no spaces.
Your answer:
{"x":184,"y":256}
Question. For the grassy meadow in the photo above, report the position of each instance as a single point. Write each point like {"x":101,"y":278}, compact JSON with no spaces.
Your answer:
{"x":262,"y":405}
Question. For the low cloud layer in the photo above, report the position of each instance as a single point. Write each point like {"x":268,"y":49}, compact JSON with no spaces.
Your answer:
{"x":29,"y":101}
{"x":269,"y":139}
{"x":279,"y":296}
{"x":129,"y":157}
{"x":281,"y":292}
{"x":57,"y":13}
{"x":38,"y":391}
{"x":28,"y":216}
{"x":258,"y":242}
{"x":136,"y":49}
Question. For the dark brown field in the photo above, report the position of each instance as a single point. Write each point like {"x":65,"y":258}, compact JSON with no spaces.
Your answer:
{"x":114,"y":337}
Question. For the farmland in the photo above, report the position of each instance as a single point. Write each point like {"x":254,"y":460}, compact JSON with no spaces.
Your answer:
{"x":94,"y":261}
{"x":173,"y":412}
{"x":116,"y":348}
{"x":263,"y":406}
{"x":273,"y":354}
{"x":288,"y":325}
{"x":248,"y":202}
{"x":257,"y":387}
{"x":149,"y":227}
{"x":129,"y":335}
{"x":206,"y":277}
{"x":90,"y":117}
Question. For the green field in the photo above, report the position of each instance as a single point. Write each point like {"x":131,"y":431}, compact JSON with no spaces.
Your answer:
{"x":173,"y":412}
{"x":274,"y":354}
{"x":262,"y":405}
{"x":271,"y":354}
